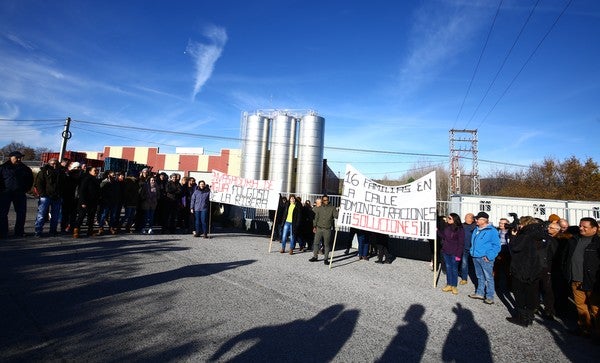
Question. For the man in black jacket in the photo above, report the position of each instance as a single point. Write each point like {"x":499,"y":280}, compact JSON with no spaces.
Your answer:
{"x":584,"y":265}
{"x":49,"y":186}
{"x":16,"y":179}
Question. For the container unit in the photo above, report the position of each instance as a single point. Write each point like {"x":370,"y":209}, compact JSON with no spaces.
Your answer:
{"x":255,"y":147}
{"x":71,"y":155}
{"x":134,"y":169}
{"x":499,"y":207}
{"x":116,"y":164}
{"x":281,"y":157}
{"x":309,"y":177}
{"x":579,"y":209}
{"x":99,"y":164}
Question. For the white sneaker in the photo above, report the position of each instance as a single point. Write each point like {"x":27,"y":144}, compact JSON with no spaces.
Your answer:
{"x":150,"y":231}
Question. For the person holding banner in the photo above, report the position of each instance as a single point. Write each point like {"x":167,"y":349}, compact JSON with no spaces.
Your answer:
{"x":199,"y":206}
{"x":293,"y":220}
{"x":453,"y":242}
{"x":322,"y":224}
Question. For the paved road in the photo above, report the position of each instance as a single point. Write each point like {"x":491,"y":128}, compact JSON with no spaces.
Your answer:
{"x":179,"y":298}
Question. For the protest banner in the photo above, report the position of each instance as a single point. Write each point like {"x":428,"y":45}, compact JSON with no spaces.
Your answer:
{"x":407,"y":210}
{"x":260,"y":194}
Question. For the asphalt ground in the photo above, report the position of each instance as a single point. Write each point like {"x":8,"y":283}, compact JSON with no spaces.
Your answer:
{"x":179,"y":298}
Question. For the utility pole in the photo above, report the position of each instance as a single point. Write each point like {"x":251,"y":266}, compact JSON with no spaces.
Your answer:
{"x":66,"y":135}
{"x":458,"y":147}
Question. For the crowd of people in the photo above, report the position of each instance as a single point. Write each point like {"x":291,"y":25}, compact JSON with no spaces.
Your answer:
{"x":310,"y":226}
{"x":545,"y":264}
{"x":72,"y":196}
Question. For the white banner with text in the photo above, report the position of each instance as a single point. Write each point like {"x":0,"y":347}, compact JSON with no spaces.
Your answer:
{"x":260,"y":194}
{"x":407,"y":210}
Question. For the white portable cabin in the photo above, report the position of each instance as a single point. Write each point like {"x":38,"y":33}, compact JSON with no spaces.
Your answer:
{"x":500,"y":207}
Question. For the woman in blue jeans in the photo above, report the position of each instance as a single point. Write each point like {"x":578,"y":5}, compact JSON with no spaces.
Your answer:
{"x":453,"y":243}
{"x":200,"y":207}
{"x":292,"y":223}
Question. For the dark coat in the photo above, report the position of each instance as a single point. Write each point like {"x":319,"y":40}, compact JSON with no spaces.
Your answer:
{"x":296,"y":217}
{"x":453,"y":241}
{"x":200,"y":199}
{"x":173,"y":191}
{"x":591,"y":263}
{"x":149,"y":196}
{"x":72,"y":181}
{"x":131,"y":192}
{"x":49,"y":182}
{"x":15,"y":178}
{"x":525,"y":248}
{"x":110,"y":193}
{"x":89,"y":190}
{"x":468,"y":229}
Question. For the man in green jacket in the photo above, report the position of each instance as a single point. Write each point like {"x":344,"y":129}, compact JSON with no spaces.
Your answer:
{"x":322,"y":224}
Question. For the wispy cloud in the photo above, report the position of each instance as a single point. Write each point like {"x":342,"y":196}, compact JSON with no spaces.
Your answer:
{"x":206,"y":55}
{"x":439,"y":32}
{"x":20,"y":42}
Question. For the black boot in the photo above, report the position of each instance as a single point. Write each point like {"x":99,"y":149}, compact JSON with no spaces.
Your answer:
{"x":517,"y":320}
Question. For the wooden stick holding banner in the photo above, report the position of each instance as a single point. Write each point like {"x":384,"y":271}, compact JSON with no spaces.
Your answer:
{"x":435,"y":262}
{"x":273,"y":228}
{"x":209,"y":217}
{"x":333,"y":248}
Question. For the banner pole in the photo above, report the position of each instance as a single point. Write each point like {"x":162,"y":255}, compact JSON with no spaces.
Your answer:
{"x":273,"y":229}
{"x":435,"y":262}
{"x":209,"y":217}
{"x":333,"y":248}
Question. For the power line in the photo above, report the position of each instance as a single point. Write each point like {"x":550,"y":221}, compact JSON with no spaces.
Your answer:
{"x":478,"y":63}
{"x":526,"y":62}
{"x":32,"y":120}
{"x":214,"y":137}
{"x":503,"y":62}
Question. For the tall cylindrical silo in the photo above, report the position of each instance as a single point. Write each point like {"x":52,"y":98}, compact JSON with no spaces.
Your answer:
{"x":311,"y":144}
{"x":254,"y":152}
{"x":281,"y":158}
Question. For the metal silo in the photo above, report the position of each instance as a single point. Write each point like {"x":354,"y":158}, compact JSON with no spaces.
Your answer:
{"x":311,"y":143}
{"x":255,"y":149}
{"x":281,"y":158}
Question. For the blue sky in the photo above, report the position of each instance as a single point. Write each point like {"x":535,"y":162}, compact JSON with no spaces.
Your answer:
{"x":386,"y":75}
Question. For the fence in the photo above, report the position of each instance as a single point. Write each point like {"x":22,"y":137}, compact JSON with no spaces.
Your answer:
{"x":496,"y":207}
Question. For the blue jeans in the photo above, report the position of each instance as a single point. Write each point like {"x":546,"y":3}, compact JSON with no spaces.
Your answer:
{"x":200,"y":222}
{"x":287,"y":229}
{"x":129,"y":216}
{"x":110,"y":212}
{"x":149,"y":218}
{"x":44,"y":205}
{"x":464,"y":265}
{"x":485,"y":277}
{"x":19,"y":202}
{"x":363,"y":245}
{"x":451,"y":269}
